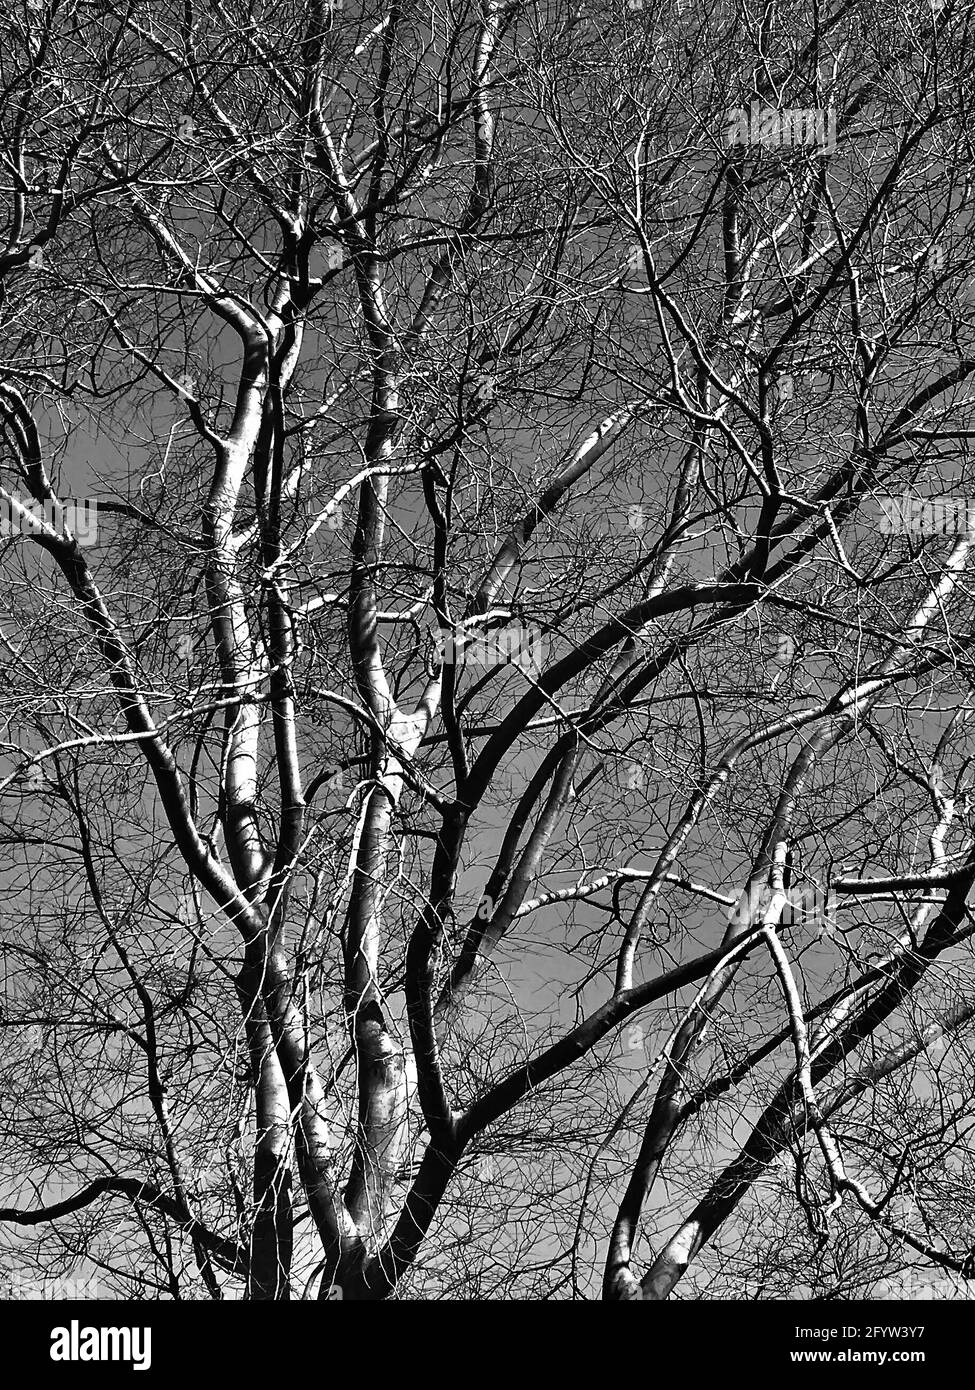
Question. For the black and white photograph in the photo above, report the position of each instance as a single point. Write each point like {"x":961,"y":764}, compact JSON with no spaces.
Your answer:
{"x":487,"y":674}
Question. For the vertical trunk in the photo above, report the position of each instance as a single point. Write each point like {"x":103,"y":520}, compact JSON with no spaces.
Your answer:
{"x":380,"y":1059}
{"x":271,"y":1233}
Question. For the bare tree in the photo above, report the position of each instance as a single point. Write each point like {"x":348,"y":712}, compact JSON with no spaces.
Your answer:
{"x":487,"y":676}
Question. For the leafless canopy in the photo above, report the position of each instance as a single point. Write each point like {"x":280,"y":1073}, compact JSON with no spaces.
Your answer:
{"x":486,"y":724}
